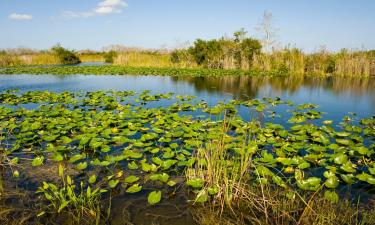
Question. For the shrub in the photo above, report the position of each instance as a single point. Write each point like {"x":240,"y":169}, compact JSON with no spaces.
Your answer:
{"x":65,"y":56}
{"x":110,"y":56}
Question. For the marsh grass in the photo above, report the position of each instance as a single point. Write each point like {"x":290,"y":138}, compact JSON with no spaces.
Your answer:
{"x":91,"y":57}
{"x":224,"y":175}
{"x":143,"y":59}
{"x":233,"y":193}
{"x":273,"y":207}
{"x":81,"y":203}
{"x":295,"y":62}
{"x":9,"y":60}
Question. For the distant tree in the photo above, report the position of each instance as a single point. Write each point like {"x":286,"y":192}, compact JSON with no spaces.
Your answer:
{"x":268,"y":32}
{"x":65,"y":56}
{"x":239,"y":35}
{"x":249,"y":48}
{"x":199,"y":51}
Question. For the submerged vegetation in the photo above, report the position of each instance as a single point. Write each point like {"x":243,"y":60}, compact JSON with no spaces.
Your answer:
{"x":102,"y":145}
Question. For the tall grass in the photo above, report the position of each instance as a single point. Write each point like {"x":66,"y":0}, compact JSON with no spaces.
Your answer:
{"x":143,"y":59}
{"x":91,"y":57}
{"x":7,"y":60}
{"x":295,"y":62}
{"x":237,"y":199}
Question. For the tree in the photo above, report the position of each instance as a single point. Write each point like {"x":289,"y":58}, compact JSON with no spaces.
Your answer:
{"x":65,"y":56}
{"x":268,"y":32}
{"x":249,"y":48}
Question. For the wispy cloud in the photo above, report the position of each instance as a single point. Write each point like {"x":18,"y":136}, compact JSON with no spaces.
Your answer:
{"x":17,"y":16}
{"x":105,"y":7}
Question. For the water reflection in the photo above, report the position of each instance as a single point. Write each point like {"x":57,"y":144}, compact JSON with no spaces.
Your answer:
{"x":245,"y":86}
{"x":336,"y":95}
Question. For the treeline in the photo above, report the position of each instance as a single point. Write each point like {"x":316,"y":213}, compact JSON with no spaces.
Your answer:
{"x":238,"y":52}
{"x":241,"y":52}
{"x":225,"y":53}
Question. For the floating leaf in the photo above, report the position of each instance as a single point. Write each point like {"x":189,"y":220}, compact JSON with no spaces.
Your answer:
{"x":113,"y":183}
{"x":134,"y":188}
{"x":81,"y":165}
{"x":37,"y":161}
{"x":154,"y":197}
{"x":331,"y":196}
{"x":195,"y":183}
{"x":131,"y":179}
{"x":92,"y":179}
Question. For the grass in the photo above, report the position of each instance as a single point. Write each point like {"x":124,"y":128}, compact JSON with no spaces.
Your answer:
{"x":237,"y":198}
{"x":91,"y":57}
{"x":143,"y":59}
{"x":9,"y":60}
{"x":81,"y":203}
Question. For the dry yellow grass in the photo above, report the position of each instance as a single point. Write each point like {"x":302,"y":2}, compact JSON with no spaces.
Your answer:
{"x":143,"y":59}
{"x":33,"y":59}
{"x":91,"y":57}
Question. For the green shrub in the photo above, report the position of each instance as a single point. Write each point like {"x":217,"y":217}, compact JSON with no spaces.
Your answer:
{"x":110,"y":56}
{"x":65,"y":56}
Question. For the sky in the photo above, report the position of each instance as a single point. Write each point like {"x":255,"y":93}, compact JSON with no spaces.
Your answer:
{"x":93,"y":24}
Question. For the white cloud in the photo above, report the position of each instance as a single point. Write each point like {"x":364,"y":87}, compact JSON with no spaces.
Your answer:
{"x":17,"y":16}
{"x":105,"y":7}
{"x":72,"y":15}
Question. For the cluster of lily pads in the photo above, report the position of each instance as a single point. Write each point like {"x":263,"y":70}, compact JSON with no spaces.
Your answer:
{"x":125,"y":70}
{"x":126,"y":140}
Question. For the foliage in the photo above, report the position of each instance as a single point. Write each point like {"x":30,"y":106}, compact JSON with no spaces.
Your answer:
{"x":110,"y":56}
{"x":216,"y":53}
{"x":102,"y":135}
{"x":65,"y":56}
{"x":126,"y":70}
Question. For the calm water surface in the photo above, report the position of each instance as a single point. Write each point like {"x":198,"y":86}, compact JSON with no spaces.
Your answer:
{"x":336,"y":96}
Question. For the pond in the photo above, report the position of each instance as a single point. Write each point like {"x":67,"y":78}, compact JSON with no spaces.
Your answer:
{"x":335,"y":95}
{"x":71,"y":132}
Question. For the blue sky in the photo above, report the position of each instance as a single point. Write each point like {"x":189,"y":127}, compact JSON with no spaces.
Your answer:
{"x":81,"y":24}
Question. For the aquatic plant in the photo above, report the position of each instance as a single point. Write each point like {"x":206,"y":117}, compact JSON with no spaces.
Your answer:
{"x":130,"y":142}
{"x":79,"y":201}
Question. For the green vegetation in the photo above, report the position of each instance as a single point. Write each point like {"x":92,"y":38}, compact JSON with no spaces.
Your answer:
{"x":110,"y":56}
{"x":236,"y":53}
{"x":124,"y":70}
{"x":122,"y":142}
{"x":65,"y":56}
{"x":239,"y":53}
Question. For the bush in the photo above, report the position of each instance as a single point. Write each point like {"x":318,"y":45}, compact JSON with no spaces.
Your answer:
{"x":110,"y":56}
{"x":65,"y":56}
{"x":228,"y":53}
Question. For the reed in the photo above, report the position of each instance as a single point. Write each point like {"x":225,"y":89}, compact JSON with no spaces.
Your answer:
{"x":9,"y":60}
{"x":143,"y":59}
{"x":91,"y":57}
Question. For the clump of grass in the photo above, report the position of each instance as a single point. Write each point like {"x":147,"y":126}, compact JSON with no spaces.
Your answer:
{"x":143,"y":59}
{"x":272,"y":206}
{"x":223,"y":174}
{"x":109,"y":57}
{"x":91,"y":57}
{"x":234,"y":191}
{"x":80,"y":203}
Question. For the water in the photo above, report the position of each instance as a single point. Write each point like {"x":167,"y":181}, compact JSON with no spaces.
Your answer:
{"x":336,"y":95}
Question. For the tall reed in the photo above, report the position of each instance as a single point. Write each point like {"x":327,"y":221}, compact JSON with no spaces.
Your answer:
{"x":143,"y":59}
